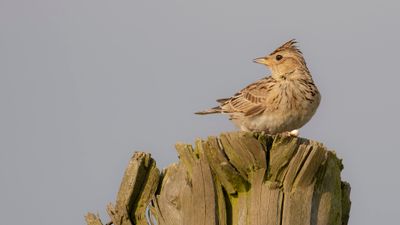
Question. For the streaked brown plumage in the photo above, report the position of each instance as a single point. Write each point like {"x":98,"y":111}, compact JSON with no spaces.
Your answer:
{"x":282,"y":102}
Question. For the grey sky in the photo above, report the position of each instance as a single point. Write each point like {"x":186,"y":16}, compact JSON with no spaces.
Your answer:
{"x":85,"y":83}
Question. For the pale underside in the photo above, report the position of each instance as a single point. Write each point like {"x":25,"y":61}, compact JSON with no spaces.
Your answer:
{"x":273,"y":106}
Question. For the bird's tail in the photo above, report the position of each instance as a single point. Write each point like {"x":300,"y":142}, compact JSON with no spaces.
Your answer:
{"x":216,"y":109}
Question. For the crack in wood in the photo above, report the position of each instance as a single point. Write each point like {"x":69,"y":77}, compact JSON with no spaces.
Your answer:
{"x":237,"y":179}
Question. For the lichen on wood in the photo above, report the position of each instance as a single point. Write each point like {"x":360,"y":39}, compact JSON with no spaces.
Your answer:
{"x":236,"y":178}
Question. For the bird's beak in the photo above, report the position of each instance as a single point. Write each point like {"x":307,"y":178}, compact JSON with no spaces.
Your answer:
{"x":261,"y":60}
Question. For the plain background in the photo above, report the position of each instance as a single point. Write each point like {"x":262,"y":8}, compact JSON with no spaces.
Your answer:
{"x":85,"y":83}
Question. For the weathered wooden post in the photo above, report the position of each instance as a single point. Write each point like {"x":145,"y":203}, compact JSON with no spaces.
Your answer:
{"x":238,"y":178}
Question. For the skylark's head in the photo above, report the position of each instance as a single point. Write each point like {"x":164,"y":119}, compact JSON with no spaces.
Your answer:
{"x":284,"y":59}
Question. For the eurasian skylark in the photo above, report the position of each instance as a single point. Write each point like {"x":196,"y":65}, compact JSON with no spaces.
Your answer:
{"x":282,"y":102}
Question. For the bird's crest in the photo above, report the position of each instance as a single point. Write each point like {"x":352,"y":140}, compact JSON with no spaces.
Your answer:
{"x":290,"y":45}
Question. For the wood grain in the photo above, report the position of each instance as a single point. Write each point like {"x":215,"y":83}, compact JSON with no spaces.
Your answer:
{"x":238,"y":178}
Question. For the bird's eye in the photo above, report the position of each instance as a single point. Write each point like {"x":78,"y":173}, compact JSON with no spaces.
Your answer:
{"x":279,"y":57}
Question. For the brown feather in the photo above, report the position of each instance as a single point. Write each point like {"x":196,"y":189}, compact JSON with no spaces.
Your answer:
{"x":222,"y":100}
{"x":216,"y":109}
{"x":256,"y":110}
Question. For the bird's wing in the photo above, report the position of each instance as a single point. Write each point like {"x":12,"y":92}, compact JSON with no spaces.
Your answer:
{"x":250,"y":100}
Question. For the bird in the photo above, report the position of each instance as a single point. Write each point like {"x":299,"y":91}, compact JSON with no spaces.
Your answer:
{"x":280,"y":103}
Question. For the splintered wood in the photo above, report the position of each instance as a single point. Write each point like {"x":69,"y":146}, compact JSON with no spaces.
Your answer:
{"x":238,"y":178}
